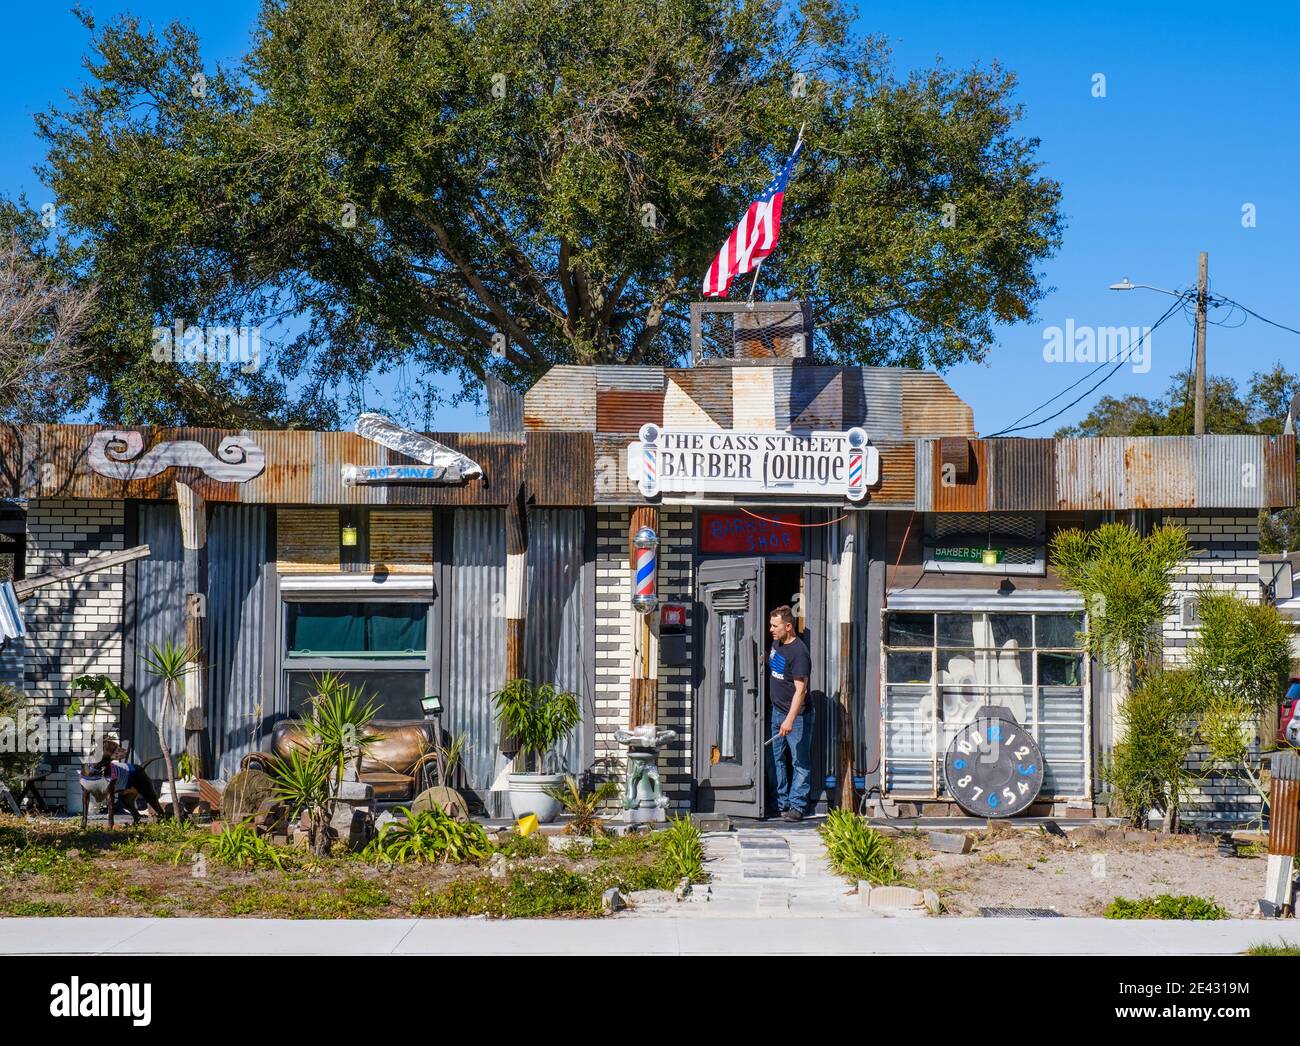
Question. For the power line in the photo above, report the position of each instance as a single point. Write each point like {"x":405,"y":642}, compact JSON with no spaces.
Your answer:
{"x":1264,"y":319}
{"x":1014,"y":427}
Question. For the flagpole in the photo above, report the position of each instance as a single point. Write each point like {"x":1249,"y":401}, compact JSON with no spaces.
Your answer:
{"x":759,"y":267}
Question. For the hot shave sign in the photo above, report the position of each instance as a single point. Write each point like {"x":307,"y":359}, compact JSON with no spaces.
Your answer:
{"x":825,"y":464}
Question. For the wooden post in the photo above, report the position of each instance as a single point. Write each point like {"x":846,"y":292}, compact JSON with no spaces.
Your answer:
{"x":845,"y":617}
{"x":645,"y":633}
{"x":516,"y":608}
{"x":194,"y":569}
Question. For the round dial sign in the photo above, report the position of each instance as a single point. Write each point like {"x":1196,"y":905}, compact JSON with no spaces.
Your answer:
{"x":993,"y":767}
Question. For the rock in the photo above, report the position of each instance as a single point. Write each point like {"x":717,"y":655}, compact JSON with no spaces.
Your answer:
{"x":683,"y":889}
{"x":1090,"y":834}
{"x":497,"y":866}
{"x":1052,"y":828}
{"x":1134,"y":835}
{"x":951,"y":842}
{"x":932,"y":903}
{"x":385,"y":818}
{"x":74,"y":853}
{"x":895,"y":897}
{"x":448,"y":800}
{"x":651,"y":900}
{"x":245,"y":795}
{"x":355,"y":791}
{"x":1267,"y":909}
{"x":612,"y":901}
{"x":564,"y":842}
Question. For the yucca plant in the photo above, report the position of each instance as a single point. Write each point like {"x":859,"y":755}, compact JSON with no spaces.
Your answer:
{"x":856,"y":850}
{"x":171,"y":664}
{"x":582,"y":807}
{"x":339,"y":718}
{"x":430,"y":835}
{"x":682,"y":850}
{"x":302,"y":781}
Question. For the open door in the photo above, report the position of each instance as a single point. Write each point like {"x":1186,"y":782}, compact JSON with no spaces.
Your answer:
{"x":728,"y":687}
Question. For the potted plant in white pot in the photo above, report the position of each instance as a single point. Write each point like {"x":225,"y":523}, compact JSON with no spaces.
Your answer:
{"x":537,"y":718}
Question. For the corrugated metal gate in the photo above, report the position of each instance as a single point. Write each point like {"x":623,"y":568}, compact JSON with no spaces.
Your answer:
{"x":160,"y":616}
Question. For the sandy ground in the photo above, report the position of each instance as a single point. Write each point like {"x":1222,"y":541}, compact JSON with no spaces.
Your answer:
{"x":1080,"y":876}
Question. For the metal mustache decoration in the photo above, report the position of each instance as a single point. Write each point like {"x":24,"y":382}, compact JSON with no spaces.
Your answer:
{"x":118,"y":456}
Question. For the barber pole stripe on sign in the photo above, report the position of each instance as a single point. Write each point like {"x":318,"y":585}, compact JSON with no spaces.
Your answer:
{"x":856,"y":475}
{"x":645,"y":572}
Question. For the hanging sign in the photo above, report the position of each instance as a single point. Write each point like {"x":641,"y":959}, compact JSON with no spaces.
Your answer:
{"x":736,"y":532}
{"x":825,"y":464}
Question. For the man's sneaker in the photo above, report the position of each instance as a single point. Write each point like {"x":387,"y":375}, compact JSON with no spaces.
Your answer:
{"x":792,"y":815}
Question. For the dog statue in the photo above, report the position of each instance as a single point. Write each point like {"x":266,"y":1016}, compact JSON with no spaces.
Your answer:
{"x":112,"y":776}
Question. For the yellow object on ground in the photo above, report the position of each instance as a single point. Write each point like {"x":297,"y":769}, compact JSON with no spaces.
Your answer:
{"x":527,"y":824}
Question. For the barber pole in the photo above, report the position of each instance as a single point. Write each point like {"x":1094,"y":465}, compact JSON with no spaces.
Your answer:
{"x":642,"y":545}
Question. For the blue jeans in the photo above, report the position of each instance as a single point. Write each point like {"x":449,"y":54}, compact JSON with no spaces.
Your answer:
{"x":792,"y":793}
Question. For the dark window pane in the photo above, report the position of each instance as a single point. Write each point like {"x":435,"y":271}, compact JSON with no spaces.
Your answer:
{"x":1060,"y":669}
{"x":957,"y":629}
{"x":396,"y":694}
{"x":909,"y":667}
{"x":1017,"y":628}
{"x":1060,"y":630}
{"x":356,"y":628}
{"x":911,"y":630}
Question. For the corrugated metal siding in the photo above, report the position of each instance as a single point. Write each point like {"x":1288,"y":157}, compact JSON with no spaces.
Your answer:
{"x":622,"y":410}
{"x":478,"y":652}
{"x":898,"y":474}
{"x":553,"y":633}
{"x":401,"y":541}
{"x":873,"y":399}
{"x":968,"y":495}
{"x":1280,"y":454}
{"x":505,"y":406}
{"x":701,"y":399}
{"x":817,"y":398}
{"x":611,"y":481}
{"x":1229,"y":471}
{"x":753,"y":399}
{"x":307,"y":540}
{"x":1022,"y":475}
{"x":565,"y":398}
{"x":931,"y":408}
{"x":782,"y":382}
{"x":629,"y":378}
{"x":1089,"y":475}
{"x":240,"y":712}
{"x":561,"y":467}
{"x":160,"y":616}
{"x":1158,"y":473}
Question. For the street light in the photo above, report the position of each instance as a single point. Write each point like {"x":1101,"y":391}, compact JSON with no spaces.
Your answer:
{"x":1202,"y":301}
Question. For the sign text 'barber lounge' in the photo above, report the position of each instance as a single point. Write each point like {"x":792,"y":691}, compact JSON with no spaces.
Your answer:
{"x":824,"y":464}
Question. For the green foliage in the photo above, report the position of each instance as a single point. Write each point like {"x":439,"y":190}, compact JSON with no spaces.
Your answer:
{"x":412,"y":178}
{"x":302,"y":781}
{"x":681,"y":850}
{"x":524,"y":846}
{"x":537,"y":716}
{"x":1148,"y":767}
{"x":1242,"y":652}
{"x":337,"y":726}
{"x":1281,"y":947}
{"x":101,"y":687}
{"x":15,"y":765}
{"x":185,"y":767}
{"x":1125,"y":580}
{"x":856,"y":850}
{"x":1164,"y":907}
{"x":583,"y":808}
{"x":430,"y":835}
{"x":239,"y":846}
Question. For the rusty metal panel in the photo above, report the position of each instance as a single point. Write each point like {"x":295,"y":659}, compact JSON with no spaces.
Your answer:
{"x":782,"y":390}
{"x":565,"y":398}
{"x":931,"y":408}
{"x":873,"y":399}
{"x":816,"y":399}
{"x":968,"y":495}
{"x":1229,"y":471}
{"x":620,"y":410}
{"x":898,"y":474}
{"x":754,"y":398}
{"x":401,"y":541}
{"x":307,"y":540}
{"x":1159,"y":472}
{"x":1022,"y":474}
{"x":500,"y":455}
{"x":561,"y":467}
{"x":505,"y":406}
{"x":954,"y":456}
{"x":1089,"y":474}
{"x":1279,"y":472}
{"x":611,"y":484}
{"x":629,"y":378}
{"x":771,"y":334}
{"x":699,"y":399}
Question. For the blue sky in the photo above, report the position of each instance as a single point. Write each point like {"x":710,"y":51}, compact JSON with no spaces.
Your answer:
{"x":1197,"y":121}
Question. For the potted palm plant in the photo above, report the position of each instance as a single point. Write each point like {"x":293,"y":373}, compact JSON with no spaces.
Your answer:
{"x":537,"y":718}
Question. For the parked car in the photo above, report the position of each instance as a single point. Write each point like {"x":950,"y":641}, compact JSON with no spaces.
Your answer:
{"x":1288,"y":721}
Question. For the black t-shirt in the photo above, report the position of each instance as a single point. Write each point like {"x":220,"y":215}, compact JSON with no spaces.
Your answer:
{"x":787,"y":662}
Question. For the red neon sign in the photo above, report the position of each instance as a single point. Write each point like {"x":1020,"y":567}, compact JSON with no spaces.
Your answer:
{"x":736,"y":532}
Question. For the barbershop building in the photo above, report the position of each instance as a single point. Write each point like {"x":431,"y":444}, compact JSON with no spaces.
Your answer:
{"x":913,"y":551}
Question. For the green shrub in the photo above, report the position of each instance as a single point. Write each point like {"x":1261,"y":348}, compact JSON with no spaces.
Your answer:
{"x":1164,"y":907}
{"x":430,"y":835}
{"x":238,"y":847}
{"x":517,"y":846}
{"x":856,"y":850}
{"x":1148,"y":767}
{"x":1281,"y":947}
{"x":680,"y":849}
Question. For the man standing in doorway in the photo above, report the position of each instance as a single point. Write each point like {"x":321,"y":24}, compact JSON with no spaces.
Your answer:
{"x":789,"y":667}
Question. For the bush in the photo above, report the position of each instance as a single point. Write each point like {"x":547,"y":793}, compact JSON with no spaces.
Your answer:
{"x":430,"y":835}
{"x":15,"y":765}
{"x":239,"y":846}
{"x":1148,"y":768}
{"x":1164,"y":907}
{"x":856,"y":850}
{"x":680,"y":850}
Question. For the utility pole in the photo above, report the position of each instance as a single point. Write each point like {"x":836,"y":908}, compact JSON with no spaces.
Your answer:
{"x":1202,"y":296}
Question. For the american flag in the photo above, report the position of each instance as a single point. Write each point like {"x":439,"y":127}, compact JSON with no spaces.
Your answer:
{"x":755,"y":237}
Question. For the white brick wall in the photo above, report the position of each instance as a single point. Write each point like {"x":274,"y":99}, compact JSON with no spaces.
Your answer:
{"x":75,"y":627}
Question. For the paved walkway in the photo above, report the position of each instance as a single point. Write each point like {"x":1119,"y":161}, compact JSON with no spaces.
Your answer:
{"x":635,"y":936}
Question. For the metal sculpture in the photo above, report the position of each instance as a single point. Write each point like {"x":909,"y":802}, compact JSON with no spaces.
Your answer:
{"x":118,"y":455}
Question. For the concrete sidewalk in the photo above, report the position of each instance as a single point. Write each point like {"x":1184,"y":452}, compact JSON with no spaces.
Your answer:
{"x":643,"y":935}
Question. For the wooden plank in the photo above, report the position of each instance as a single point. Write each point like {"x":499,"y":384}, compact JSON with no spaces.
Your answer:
{"x":24,"y":589}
